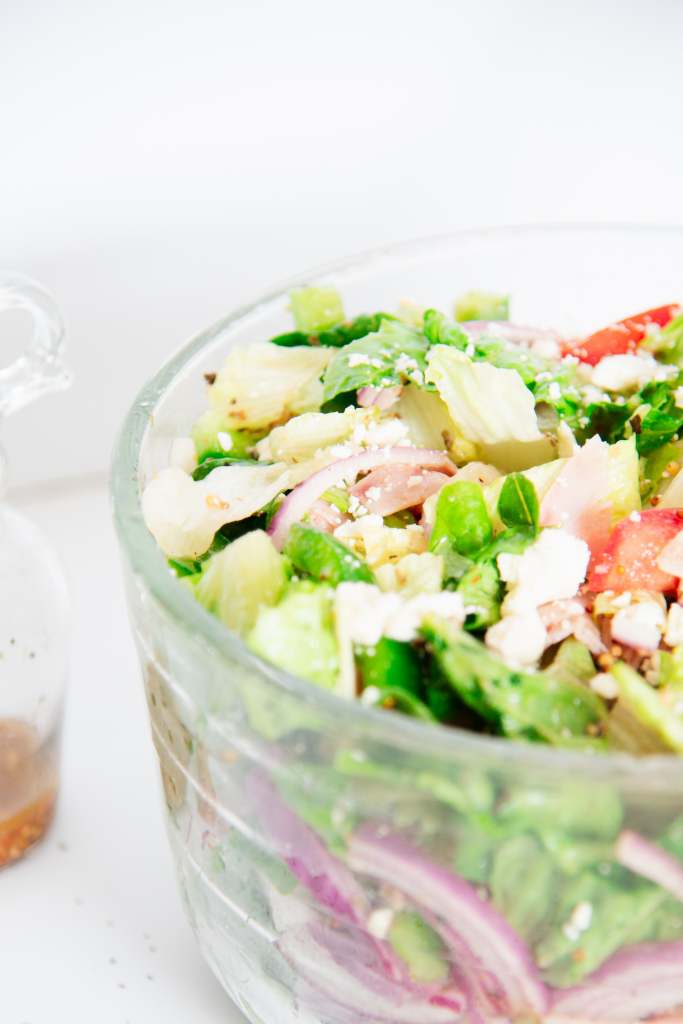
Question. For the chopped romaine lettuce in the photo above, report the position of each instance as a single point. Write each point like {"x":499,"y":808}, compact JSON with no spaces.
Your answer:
{"x":316,"y":309}
{"x":298,"y":633}
{"x":236,"y":582}
{"x":334,"y":337}
{"x":476,"y":305}
{"x":533,"y":704}
{"x":647,"y":707}
{"x":416,"y":943}
{"x":324,"y":558}
{"x":391,"y":355}
{"x":488,"y":405}
{"x":263,"y":384}
{"x":624,"y":478}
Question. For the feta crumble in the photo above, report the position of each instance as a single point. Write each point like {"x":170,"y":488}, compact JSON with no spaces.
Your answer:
{"x":519,"y":639}
{"x":625,"y":372}
{"x":639,"y":625}
{"x":551,"y":569}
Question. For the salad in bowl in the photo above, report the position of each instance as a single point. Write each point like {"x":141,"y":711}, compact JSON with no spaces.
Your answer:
{"x":470,"y":529}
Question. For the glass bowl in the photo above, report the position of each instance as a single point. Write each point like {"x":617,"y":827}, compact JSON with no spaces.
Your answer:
{"x":343,"y":865}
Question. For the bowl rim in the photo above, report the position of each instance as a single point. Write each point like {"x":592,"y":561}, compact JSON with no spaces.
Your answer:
{"x":147,"y":563}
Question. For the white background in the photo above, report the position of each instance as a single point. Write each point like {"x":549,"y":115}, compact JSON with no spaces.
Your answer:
{"x":160,"y":162}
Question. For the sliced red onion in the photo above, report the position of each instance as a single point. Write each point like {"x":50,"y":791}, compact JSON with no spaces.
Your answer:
{"x":648,"y":860}
{"x":298,"y":502}
{"x":632,"y":985}
{"x":381,"y":398}
{"x":327,"y":879}
{"x":483,"y":936}
{"x":340,"y":967}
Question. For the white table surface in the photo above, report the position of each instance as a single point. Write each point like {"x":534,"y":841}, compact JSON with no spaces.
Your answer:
{"x":161,"y":163}
{"x":91,"y":922}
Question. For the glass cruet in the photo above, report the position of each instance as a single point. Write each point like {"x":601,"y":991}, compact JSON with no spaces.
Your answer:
{"x":34,"y":607}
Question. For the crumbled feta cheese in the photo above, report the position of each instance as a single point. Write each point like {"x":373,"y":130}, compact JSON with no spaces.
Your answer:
{"x":405,"y":363}
{"x":413,"y":574}
{"x":605,"y":686}
{"x":367,"y":613}
{"x":674,"y":625}
{"x":579,"y":921}
{"x":224,"y":440}
{"x":551,"y":569}
{"x":639,"y":625}
{"x":546,"y":348}
{"x":377,"y":543}
{"x":554,"y":391}
{"x":380,"y":922}
{"x":519,"y":639}
{"x":678,"y":398}
{"x":671,"y":556}
{"x":358,"y":359}
{"x":385,"y":433}
{"x":624,"y":372}
{"x":184,"y":454}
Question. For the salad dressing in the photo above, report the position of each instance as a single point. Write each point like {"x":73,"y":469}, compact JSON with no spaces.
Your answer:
{"x":28,"y":787}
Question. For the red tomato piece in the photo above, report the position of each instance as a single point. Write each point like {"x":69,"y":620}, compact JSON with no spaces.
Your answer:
{"x":621,"y":337}
{"x":629,"y":559}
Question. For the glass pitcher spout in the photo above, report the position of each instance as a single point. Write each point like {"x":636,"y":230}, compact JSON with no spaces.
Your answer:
{"x":40,"y":368}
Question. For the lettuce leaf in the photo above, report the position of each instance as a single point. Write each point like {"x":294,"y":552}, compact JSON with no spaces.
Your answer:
{"x":390,"y":355}
{"x":488,"y":405}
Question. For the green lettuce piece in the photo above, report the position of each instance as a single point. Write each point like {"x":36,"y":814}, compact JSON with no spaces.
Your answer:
{"x":531,"y":705}
{"x":390,"y":355}
{"x":208,"y":445}
{"x":420,"y":947}
{"x":672,"y":839}
{"x":488,"y":405}
{"x":476,"y":305}
{"x":574,"y":808}
{"x":518,"y":506}
{"x":461,"y":522}
{"x":624,"y":478}
{"x":647,"y":707}
{"x":572,"y":663}
{"x":212,"y":461}
{"x":671,"y":668}
{"x":606,"y":419}
{"x":523,"y":884}
{"x":668,"y":343}
{"x":653,"y":468}
{"x":439,"y":330}
{"x":323,"y":557}
{"x":337,"y":336}
{"x":316,"y":309}
{"x":657,"y":418}
{"x":542,"y":477}
{"x":482,"y":592}
{"x":237,"y":581}
{"x":390,"y":664}
{"x":298,"y":634}
{"x":619,"y":917}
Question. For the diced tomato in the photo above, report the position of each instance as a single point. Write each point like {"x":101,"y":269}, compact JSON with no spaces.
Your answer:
{"x":629,"y":559}
{"x":621,"y":337}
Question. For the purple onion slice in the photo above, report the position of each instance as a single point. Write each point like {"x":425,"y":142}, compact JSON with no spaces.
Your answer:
{"x":632,"y":985}
{"x":298,"y":502}
{"x":489,"y":953}
{"x":648,"y":860}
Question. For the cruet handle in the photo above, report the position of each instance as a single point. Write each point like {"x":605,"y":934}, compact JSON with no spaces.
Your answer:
{"x":40,"y":368}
